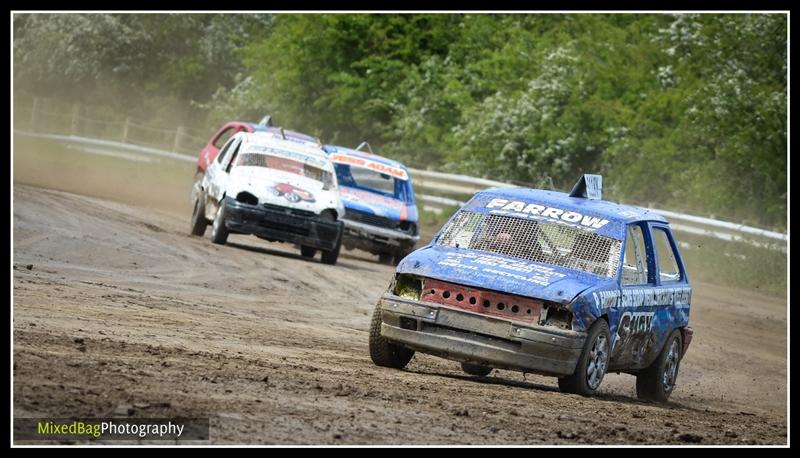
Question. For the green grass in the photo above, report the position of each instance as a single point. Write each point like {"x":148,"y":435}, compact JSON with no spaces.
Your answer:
{"x":734,"y":264}
{"x":432,"y":220}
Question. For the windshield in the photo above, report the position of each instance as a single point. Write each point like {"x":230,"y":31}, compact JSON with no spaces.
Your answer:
{"x":532,"y":240}
{"x":285,"y":164}
{"x":373,"y":181}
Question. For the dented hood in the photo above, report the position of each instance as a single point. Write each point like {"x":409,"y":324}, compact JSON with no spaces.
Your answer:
{"x":285,"y":189}
{"x":500,"y":273}
{"x":261,"y":179}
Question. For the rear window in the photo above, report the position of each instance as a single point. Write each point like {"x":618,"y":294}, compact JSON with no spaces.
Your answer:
{"x":224,"y":136}
{"x":667,"y":265}
{"x":533,"y":240}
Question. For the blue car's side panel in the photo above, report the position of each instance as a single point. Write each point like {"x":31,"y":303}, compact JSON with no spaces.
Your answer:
{"x":640,"y":318}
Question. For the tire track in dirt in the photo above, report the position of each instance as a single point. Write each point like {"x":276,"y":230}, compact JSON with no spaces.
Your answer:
{"x":122,"y":313}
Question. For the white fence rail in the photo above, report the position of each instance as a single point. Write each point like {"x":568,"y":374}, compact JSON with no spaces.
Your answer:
{"x":465,"y":185}
{"x":435,"y":190}
{"x":56,"y":117}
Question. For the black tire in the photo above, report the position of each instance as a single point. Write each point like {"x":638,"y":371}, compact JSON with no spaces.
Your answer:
{"x":657,"y":382}
{"x":219,"y":232}
{"x":330,"y":256}
{"x":199,"y":221}
{"x":399,"y":257}
{"x":197,"y":182}
{"x":383,"y":352}
{"x":385,"y":258}
{"x":476,"y":369}
{"x":596,"y":353}
{"x":307,"y":251}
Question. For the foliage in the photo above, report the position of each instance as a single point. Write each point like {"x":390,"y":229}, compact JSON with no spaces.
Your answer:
{"x":682,"y":111}
{"x":139,"y":63}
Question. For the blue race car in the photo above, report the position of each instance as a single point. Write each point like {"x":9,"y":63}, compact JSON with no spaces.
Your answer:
{"x":566,"y":285}
{"x":380,"y":209}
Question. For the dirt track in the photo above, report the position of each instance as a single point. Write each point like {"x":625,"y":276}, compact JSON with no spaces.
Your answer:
{"x":117,"y":311}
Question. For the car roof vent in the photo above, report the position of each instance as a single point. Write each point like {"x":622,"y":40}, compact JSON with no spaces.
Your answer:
{"x":363,"y":144}
{"x":266,"y":121}
{"x":588,"y":187}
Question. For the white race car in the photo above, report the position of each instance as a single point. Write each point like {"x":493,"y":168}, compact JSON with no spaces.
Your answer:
{"x":273,"y":188}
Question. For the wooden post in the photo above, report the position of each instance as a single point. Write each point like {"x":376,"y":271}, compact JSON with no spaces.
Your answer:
{"x":178,"y":134}
{"x":76,"y":112}
{"x":34,"y":114}
{"x":125,"y":130}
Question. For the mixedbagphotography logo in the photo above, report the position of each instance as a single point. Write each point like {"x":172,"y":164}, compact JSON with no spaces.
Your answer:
{"x":109,"y":429}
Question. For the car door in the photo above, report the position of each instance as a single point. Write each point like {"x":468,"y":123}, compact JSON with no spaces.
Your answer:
{"x":217,"y":174}
{"x":673,"y":293}
{"x":214,"y":146}
{"x":634,"y":316}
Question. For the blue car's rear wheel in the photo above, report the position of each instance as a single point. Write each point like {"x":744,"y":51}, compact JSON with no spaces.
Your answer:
{"x":657,"y":381}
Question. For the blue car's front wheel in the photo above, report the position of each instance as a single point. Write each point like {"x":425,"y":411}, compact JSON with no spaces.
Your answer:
{"x":383,"y":352}
{"x":592,"y":364}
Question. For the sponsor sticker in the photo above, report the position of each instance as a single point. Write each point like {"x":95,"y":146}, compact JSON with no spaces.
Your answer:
{"x":554,"y":213}
{"x":369,"y":164}
{"x":645,"y":297}
{"x":501,"y":267}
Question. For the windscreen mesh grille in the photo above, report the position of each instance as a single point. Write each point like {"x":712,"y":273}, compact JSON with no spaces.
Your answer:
{"x":533,"y":240}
